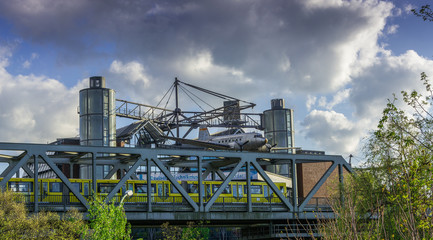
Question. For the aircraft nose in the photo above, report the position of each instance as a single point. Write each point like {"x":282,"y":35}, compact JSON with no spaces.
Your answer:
{"x":266,"y":140}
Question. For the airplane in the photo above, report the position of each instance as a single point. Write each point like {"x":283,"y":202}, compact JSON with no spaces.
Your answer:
{"x":242,"y":141}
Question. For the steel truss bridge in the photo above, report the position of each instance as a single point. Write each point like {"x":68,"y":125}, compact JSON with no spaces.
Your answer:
{"x":152,"y":210}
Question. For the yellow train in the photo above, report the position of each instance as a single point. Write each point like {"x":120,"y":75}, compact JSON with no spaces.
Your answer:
{"x":53,"y":190}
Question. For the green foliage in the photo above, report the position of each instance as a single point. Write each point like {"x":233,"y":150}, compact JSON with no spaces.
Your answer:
{"x":361,"y":200}
{"x":108,"y":221}
{"x":192,"y":231}
{"x":425,"y":13}
{"x":15,"y":222}
{"x":392,"y":198}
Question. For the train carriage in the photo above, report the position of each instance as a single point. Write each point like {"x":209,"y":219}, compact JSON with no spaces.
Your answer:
{"x":54,"y":191}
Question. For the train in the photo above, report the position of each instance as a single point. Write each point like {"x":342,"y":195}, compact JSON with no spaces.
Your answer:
{"x":53,"y":190}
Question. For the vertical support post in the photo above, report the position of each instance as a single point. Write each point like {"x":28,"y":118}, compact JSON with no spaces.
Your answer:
{"x":294,"y":186}
{"x":94,"y":186}
{"x":200,"y":185}
{"x":36,"y":182}
{"x":177,"y":110}
{"x":249,"y":203}
{"x":149,"y":185}
{"x":341,"y":179}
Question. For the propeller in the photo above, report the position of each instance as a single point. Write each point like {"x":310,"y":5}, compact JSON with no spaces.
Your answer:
{"x":269,"y":146}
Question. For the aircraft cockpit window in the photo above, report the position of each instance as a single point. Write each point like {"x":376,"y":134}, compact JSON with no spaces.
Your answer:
{"x":258,"y":135}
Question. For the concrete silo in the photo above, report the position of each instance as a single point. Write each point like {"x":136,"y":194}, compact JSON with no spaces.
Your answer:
{"x":97,"y":120}
{"x":278,"y":129}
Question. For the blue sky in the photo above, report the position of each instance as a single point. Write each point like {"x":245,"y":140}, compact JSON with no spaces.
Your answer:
{"x":334,"y":62}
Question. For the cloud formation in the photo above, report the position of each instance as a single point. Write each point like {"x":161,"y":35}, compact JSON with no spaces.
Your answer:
{"x":35,"y":108}
{"x":329,"y":57}
{"x":311,"y":46}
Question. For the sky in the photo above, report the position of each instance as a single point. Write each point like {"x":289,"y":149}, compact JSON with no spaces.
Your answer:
{"x":334,"y":62}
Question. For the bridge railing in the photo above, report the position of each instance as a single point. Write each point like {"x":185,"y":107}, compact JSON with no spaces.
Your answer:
{"x":179,"y":203}
{"x":317,"y":204}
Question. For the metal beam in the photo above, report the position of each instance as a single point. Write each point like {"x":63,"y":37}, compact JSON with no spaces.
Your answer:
{"x":9,"y":175}
{"x":28,"y":170}
{"x":317,"y":186}
{"x":221,"y":174}
{"x":206,"y":173}
{"x":272,"y":185}
{"x":149,"y":184}
{"x":124,"y":178}
{"x":36,"y":181}
{"x":8,"y":169}
{"x":341,"y":180}
{"x":64,"y":179}
{"x":249,"y":203}
{"x":176,"y":184}
{"x":224,"y":185}
{"x":294,"y":186}
{"x":200,"y":184}
{"x":94,"y":186}
{"x":112,"y":172}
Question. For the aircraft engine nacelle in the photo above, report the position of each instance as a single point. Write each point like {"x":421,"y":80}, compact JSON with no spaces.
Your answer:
{"x":265,"y":148}
{"x":235,"y":145}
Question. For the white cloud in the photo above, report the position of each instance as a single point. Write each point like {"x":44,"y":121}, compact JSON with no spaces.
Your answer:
{"x":392,"y":29}
{"x":263,"y":41}
{"x":332,"y":131}
{"x":329,"y":50}
{"x":26,"y":64}
{"x":337,"y":98}
{"x":35,"y":108}
{"x":130,"y":80}
{"x":391,"y":75}
{"x":408,"y":8}
{"x":311,"y":100}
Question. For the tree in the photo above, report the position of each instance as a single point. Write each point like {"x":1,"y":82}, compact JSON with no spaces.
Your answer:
{"x":15,"y":222}
{"x":425,"y":13}
{"x":401,"y":152}
{"x":108,"y":221}
{"x":192,"y":231}
{"x":392,"y":198}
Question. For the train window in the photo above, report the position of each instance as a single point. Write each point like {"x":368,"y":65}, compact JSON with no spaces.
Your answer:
{"x":167,"y":189}
{"x":192,"y":188}
{"x":106,"y":187}
{"x":174,"y":189}
{"x":268,"y":191}
{"x":44,"y":187}
{"x":255,"y":189}
{"x":163,"y":189}
{"x":227,"y":190}
{"x":56,"y":187}
{"x":86,"y":188}
{"x":21,"y":186}
{"x":77,"y":186}
{"x":237,"y":190}
{"x":142,"y":188}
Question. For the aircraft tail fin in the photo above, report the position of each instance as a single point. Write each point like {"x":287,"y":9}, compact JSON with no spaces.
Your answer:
{"x":203,"y":133}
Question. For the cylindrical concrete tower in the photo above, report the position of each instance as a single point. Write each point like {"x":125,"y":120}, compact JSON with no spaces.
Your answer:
{"x":97,"y":121}
{"x":97,"y":114}
{"x":278,"y":129}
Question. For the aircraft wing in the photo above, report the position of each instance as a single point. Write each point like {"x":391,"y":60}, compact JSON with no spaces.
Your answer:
{"x":200,"y":143}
